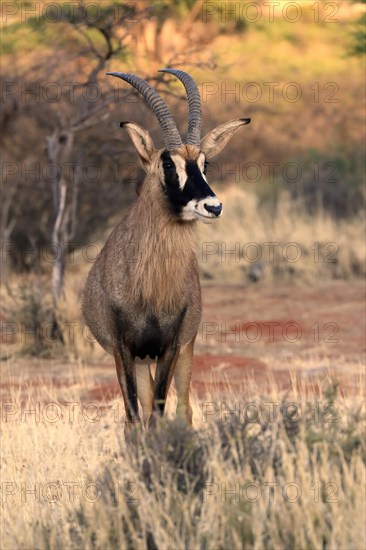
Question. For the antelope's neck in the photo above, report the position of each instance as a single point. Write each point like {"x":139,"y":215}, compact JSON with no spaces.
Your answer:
{"x":164,"y":257}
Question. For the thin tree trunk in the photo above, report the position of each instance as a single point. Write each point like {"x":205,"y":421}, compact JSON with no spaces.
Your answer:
{"x":6,"y":228}
{"x":58,"y":270}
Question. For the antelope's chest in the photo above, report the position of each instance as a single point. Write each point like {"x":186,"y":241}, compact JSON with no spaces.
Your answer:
{"x":147,"y":336}
{"x":151,"y":341}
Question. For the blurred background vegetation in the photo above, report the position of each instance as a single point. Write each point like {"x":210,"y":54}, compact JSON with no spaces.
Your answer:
{"x":69,"y":172}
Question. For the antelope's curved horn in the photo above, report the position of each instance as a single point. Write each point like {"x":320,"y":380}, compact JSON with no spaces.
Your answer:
{"x":194,"y":104}
{"x":171,"y":135}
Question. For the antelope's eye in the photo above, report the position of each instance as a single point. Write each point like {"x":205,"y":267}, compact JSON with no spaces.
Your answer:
{"x":167,"y":164}
{"x":205,"y":166}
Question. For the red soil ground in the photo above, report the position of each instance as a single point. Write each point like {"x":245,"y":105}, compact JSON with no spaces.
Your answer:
{"x":257,"y":332}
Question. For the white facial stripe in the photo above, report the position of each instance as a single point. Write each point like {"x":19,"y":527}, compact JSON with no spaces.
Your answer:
{"x":180,"y":166}
{"x":189,"y":211}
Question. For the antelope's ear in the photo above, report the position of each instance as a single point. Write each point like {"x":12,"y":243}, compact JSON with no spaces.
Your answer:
{"x":215,"y":141}
{"x":142,"y":141}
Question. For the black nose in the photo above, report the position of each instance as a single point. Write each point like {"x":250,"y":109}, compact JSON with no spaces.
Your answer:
{"x":216,"y":210}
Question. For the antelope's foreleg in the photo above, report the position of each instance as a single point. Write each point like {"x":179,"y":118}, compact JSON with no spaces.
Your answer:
{"x":182,"y":379}
{"x":163,"y":377}
{"x":145,"y":390}
{"x":125,"y":366}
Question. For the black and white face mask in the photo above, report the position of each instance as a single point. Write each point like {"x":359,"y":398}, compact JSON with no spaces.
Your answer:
{"x":185,"y":185}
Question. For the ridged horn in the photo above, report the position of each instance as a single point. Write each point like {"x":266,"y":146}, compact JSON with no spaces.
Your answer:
{"x":194,"y":104}
{"x":171,"y":135}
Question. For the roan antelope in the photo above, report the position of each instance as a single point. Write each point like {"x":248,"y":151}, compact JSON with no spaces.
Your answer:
{"x":142,"y":299}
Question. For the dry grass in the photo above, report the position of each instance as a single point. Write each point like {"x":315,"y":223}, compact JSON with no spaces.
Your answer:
{"x":323,"y":247}
{"x":174,"y":488}
{"x":27,"y":308}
